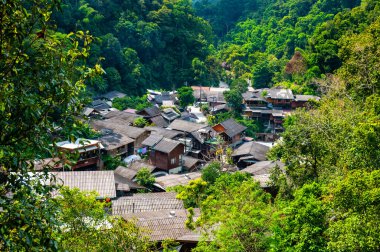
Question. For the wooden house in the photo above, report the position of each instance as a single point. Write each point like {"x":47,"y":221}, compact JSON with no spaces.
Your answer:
{"x":280,"y":98}
{"x":230,"y":131}
{"x":166,"y":154}
{"x":116,"y":144}
{"x":86,"y":153}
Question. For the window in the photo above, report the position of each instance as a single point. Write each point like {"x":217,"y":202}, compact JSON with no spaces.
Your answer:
{"x":173,"y":161}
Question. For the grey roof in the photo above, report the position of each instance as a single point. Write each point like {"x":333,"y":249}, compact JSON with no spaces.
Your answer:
{"x":115,"y":140}
{"x":165,"y":224}
{"x":190,"y":162}
{"x":125,"y":184}
{"x":125,"y":172}
{"x":232,"y":128}
{"x":163,"y":132}
{"x":137,"y":165}
{"x":100,"y":105}
{"x":152,"y":111}
{"x":152,"y":140}
{"x":119,"y":126}
{"x":113,"y":94}
{"x":159,"y":121}
{"x":284,"y":94}
{"x":254,"y":96}
{"x":306,"y":98}
{"x":166,"y":145}
{"x":177,"y":179}
{"x":102,"y":182}
{"x":87,"y":111}
{"x":126,"y":117}
{"x":263,"y":167}
{"x":132,"y":170}
{"x":186,"y":126}
{"x":143,"y":202}
{"x":255,"y":149}
{"x":170,"y":114}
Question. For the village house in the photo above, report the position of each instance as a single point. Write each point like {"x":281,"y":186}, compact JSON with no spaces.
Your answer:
{"x":230,"y":131}
{"x":194,"y":136}
{"x":280,"y":97}
{"x":117,"y":145}
{"x":86,"y":153}
{"x":211,"y":95}
{"x":166,"y":154}
{"x":116,"y":125}
{"x":149,"y":112}
{"x":162,"y":98}
{"x":126,"y":117}
{"x":168,"y":133}
{"x":250,"y":152}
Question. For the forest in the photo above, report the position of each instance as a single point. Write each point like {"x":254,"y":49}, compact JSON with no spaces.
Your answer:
{"x":54,"y":55}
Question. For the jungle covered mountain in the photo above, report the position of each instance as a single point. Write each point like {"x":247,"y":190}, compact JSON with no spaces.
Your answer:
{"x":143,"y":44}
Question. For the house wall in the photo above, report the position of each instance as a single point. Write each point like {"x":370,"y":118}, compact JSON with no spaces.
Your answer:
{"x":140,"y":139}
{"x":163,"y":160}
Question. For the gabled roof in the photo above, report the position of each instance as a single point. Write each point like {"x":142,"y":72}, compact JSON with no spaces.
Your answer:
{"x":169,"y":114}
{"x":118,"y":126}
{"x":151,"y":111}
{"x":166,"y":145}
{"x":306,"y":98}
{"x":143,"y":202}
{"x":137,"y":165}
{"x":113,"y":94}
{"x":125,"y":172}
{"x":177,"y":179}
{"x":254,"y":96}
{"x":186,"y":126}
{"x":132,"y":170}
{"x":284,"y":94}
{"x":152,"y":140}
{"x":102,"y":182}
{"x":165,"y":224}
{"x":159,"y":121}
{"x":257,"y":150}
{"x":126,"y":117}
{"x":263,"y":167}
{"x":163,"y":132}
{"x":232,"y":128}
{"x":100,"y":105}
{"x":115,"y":140}
{"x":190,"y":162}
{"x":125,"y":184}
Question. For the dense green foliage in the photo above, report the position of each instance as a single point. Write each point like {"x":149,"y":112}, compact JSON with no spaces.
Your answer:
{"x":145,"y":44}
{"x":185,"y":96}
{"x":328,"y":195}
{"x":88,"y":227}
{"x":145,"y":178}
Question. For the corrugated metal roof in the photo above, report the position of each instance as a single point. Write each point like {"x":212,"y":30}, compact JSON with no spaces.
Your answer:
{"x":163,"y":132}
{"x":145,"y":202}
{"x":152,"y":140}
{"x":232,"y":128}
{"x":186,"y":126}
{"x":166,"y":145}
{"x":115,"y":140}
{"x":256,"y":149}
{"x":177,"y":179}
{"x":102,"y":182}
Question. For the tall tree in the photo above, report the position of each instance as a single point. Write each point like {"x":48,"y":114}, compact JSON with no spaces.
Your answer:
{"x":42,"y":75}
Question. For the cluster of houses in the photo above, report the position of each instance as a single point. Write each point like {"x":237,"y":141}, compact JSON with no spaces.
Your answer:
{"x":174,"y":148}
